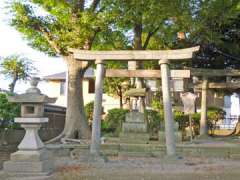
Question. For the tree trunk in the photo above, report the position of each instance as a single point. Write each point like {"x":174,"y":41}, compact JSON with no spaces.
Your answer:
{"x":76,"y":125}
{"x":12,"y":85}
{"x":139,"y":83}
{"x":120,"y":98}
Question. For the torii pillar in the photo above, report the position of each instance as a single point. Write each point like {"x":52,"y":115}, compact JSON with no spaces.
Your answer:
{"x":167,"y":105}
{"x":203,"y":120}
{"x":97,"y":112}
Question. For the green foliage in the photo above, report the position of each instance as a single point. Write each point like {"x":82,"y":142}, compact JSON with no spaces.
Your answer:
{"x":214,"y":114}
{"x":215,"y":26}
{"x":114,"y":86}
{"x":113,"y":120}
{"x":154,"y":119}
{"x":183,"y":120}
{"x":153,"y":17}
{"x":89,"y":111}
{"x":8,"y":111}
{"x":157,"y":104}
{"x":16,"y":68}
{"x":53,"y":26}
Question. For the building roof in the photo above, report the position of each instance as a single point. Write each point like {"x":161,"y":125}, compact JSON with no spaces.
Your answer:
{"x":3,"y":90}
{"x":62,"y":75}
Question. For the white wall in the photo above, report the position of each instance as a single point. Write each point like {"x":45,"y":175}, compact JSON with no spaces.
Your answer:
{"x":52,"y":89}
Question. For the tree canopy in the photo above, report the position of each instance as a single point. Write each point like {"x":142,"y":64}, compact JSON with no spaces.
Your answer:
{"x":16,"y":68}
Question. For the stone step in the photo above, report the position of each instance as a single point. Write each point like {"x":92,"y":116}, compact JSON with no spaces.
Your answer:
{"x":41,"y":167}
{"x":135,"y":154}
{"x":134,"y":138}
{"x":134,"y":127}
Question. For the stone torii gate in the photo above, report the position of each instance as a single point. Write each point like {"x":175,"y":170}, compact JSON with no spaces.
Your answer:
{"x":206,"y":74}
{"x":163,"y":57}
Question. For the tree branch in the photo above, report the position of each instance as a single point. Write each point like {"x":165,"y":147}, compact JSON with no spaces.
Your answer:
{"x":150,"y":34}
{"x":78,"y":5}
{"x":88,"y":46}
{"x":49,"y":40}
{"x":94,"y":5}
{"x":81,"y":4}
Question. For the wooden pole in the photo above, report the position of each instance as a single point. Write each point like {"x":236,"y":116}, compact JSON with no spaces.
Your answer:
{"x":168,"y":115}
{"x":190,"y":126}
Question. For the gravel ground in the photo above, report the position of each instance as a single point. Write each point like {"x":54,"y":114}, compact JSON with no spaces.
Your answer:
{"x":136,"y":168}
{"x":126,"y":168}
{"x":139,"y":168}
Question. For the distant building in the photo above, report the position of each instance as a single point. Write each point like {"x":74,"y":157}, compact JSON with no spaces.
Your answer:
{"x":56,"y":87}
{"x":3,"y":91}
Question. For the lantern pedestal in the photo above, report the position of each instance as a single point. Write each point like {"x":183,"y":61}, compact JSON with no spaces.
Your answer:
{"x":32,"y":159}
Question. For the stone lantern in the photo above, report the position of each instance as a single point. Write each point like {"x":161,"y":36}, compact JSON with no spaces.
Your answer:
{"x":31,"y":157}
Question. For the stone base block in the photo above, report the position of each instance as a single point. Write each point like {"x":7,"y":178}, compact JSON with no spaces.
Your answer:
{"x":162,"y":140}
{"x":40,"y":168}
{"x":30,"y":156}
{"x":134,"y":138}
{"x":29,"y":163}
{"x":135,"y":117}
{"x":134,"y":127}
{"x":29,"y":177}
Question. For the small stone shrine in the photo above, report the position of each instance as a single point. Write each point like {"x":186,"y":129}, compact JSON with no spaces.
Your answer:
{"x":134,"y":129}
{"x":31,"y":159}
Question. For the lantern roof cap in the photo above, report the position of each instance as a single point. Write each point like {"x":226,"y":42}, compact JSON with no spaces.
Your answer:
{"x":32,"y":95}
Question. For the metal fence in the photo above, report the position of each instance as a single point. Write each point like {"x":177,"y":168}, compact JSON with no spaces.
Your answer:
{"x":226,"y":123}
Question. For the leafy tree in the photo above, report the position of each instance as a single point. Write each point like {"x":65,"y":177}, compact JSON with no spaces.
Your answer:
{"x":147,"y":25}
{"x":16,"y":68}
{"x":215,"y":26}
{"x":55,"y":26}
{"x":8,"y":111}
{"x":114,"y":86}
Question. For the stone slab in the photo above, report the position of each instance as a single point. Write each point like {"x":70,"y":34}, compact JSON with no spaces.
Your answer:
{"x":30,"y":156}
{"x":30,"y":120}
{"x":134,"y":127}
{"x":28,"y":177}
{"x":134,"y":138}
{"x":33,"y":168}
{"x":135,"y":117}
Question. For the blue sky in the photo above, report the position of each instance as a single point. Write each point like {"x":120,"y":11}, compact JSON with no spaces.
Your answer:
{"x":11,"y":42}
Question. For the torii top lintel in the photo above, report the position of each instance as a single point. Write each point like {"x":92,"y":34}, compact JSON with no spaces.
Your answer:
{"x":134,"y":55}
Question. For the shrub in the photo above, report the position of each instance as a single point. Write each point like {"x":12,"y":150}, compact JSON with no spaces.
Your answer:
{"x":181,"y":118}
{"x":154,"y":119}
{"x":213,"y":115}
{"x":89,"y":111}
{"x":8,"y":111}
{"x":113,"y":120}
